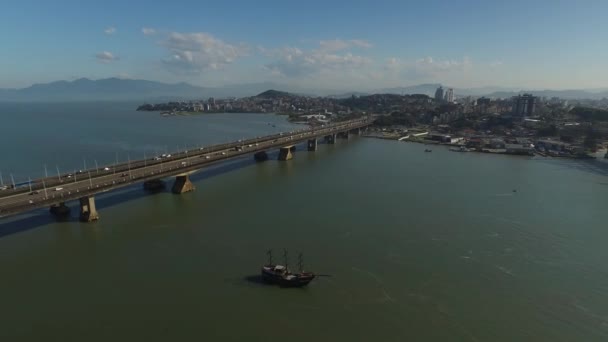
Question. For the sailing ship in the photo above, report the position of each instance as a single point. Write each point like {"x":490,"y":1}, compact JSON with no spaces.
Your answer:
{"x":280,"y":274}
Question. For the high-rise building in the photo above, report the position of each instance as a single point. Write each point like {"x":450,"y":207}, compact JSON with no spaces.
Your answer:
{"x":524,"y":105}
{"x":449,"y":95}
{"x":439,"y":94}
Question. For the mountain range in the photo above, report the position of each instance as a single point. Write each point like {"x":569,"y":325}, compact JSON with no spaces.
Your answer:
{"x":118,"y":89}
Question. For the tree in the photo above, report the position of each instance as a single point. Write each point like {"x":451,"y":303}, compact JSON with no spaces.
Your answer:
{"x":591,"y":140}
{"x":548,"y":131}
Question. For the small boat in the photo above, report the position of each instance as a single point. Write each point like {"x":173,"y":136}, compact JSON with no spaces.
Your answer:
{"x":427,"y":150}
{"x":280,"y":274}
{"x":460,"y":149}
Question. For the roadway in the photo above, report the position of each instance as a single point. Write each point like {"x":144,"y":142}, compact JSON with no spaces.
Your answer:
{"x":67,"y":187}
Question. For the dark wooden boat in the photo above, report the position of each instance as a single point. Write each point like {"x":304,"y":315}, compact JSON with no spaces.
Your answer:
{"x":281,"y":275}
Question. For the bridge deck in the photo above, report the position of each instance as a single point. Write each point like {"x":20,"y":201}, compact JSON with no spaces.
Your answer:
{"x":53,"y":190}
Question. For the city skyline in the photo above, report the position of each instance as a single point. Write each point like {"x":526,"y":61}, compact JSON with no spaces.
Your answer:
{"x":465,"y":44}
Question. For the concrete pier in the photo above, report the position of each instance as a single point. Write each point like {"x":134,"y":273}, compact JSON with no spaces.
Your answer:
{"x":182,"y":184}
{"x":344,"y":135}
{"x":330,"y":139}
{"x":88,"y":212}
{"x":260,"y":156}
{"x":154,"y":185}
{"x":286,"y":153}
{"x":312,"y":144}
{"x":60,"y":210}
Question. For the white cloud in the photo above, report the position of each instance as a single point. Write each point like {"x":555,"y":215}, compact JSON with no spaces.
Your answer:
{"x":197,"y":52}
{"x":110,"y":30}
{"x":427,"y":69}
{"x":294,"y":62}
{"x":106,"y":57}
{"x":339,"y":45}
{"x":148,"y":31}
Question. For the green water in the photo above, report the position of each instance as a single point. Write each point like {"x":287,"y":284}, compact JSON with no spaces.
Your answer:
{"x":419,"y":247}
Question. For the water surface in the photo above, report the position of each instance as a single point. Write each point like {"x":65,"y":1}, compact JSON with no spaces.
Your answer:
{"x":419,"y":246}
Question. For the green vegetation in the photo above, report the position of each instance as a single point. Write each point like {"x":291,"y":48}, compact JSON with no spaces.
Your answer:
{"x":590,"y":141}
{"x":590,"y":114}
{"x":273,"y":94}
{"x":548,"y":131}
{"x":396,"y":118}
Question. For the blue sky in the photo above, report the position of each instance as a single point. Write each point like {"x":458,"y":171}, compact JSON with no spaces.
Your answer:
{"x":354,"y":45}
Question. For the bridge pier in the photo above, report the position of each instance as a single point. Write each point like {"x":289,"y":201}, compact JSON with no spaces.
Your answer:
{"x":330,"y":139}
{"x":60,"y":210}
{"x":344,"y":135}
{"x":286,"y":153}
{"x":182,"y":184}
{"x":356,"y":131}
{"x":154,"y":185}
{"x":88,"y":212}
{"x":312,"y":144}
{"x":260,"y":156}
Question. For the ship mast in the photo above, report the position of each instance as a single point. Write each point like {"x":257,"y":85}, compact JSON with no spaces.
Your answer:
{"x":285,"y":256}
{"x":269,"y":256}
{"x":300,"y":262}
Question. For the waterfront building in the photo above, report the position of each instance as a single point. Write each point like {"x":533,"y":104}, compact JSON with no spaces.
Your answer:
{"x":524,"y":105}
{"x":439,"y":94}
{"x":449,"y":95}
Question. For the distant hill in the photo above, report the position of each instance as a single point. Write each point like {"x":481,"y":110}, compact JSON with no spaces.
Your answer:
{"x":84,"y":89}
{"x":117,"y":89}
{"x":564,"y":94}
{"x":346,"y":95}
{"x":426,"y":89}
{"x":497,"y":92}
{"x":273,"y":94}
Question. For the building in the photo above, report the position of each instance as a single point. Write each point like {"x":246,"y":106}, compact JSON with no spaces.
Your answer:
{"x":444,"y":138}
{"x":524,"y":105}
{"x":449,"y":95}
{"x":439,"y":94}
{"x":197,"y":107}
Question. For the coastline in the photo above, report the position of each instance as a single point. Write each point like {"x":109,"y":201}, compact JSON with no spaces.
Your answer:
{"x":454,"y":146}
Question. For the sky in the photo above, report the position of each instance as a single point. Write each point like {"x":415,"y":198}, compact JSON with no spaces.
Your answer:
{"x":347,"y":45}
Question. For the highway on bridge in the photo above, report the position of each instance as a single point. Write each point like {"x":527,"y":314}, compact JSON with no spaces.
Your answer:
{"x":63,"y":188}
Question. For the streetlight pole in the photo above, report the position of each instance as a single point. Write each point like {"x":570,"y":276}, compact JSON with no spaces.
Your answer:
{"x":13,"y":180}
{"x":30,"y":183}
{"x":58,"y":174}
{"x":74,"y":175}
{"x":96,"y":166}
{"x":46,"y":195}
{"x":90,"y":181}
{"x":46,"y":174}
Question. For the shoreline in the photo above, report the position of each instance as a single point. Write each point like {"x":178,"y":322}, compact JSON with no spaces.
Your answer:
{"x":483,"y":150}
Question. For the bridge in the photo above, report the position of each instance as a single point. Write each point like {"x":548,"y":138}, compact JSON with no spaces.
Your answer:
{"x":54,"y":192}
